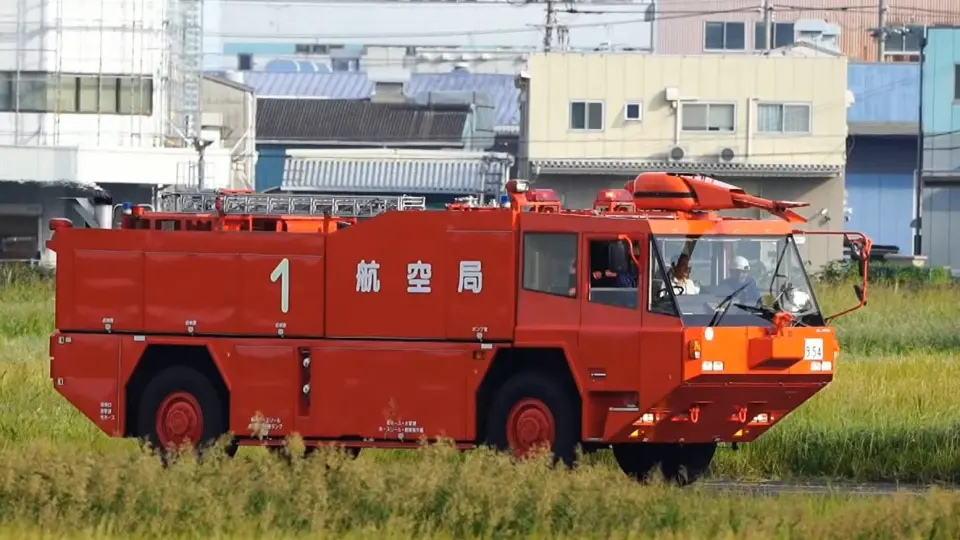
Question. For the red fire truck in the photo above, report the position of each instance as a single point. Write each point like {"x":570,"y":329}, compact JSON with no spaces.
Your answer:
{"x":648,"y":324}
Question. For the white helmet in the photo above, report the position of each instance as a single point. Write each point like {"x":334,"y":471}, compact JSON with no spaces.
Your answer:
{"x":740,"y":263}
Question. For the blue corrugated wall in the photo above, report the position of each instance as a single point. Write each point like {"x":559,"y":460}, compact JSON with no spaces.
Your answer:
{"x":879,"y":181}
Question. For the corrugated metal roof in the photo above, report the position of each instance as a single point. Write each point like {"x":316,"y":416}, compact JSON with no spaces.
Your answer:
{"x":316,"y":120}
{"x":884,"y":93}
{"x":343,"y":85}
{"x":500,"y":88}
{"x":409,"y":176}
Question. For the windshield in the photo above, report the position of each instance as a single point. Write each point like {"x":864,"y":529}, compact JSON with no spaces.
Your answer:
{"x":751,"y":277}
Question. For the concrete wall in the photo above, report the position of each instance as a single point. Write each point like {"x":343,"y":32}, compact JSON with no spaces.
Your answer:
{"x":745,"y":82}
{"x":97,"y":165}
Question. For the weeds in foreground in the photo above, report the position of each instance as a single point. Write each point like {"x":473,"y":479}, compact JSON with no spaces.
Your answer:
{"x":443,"y":493}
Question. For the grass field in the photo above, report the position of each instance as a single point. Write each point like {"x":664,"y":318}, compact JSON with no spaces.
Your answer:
{"x":893,"y":413}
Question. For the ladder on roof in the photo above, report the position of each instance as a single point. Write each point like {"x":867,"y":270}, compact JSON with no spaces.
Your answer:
{"x":265,"y":204}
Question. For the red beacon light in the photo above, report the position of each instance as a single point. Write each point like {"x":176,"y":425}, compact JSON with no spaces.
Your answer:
{"x":615,"y":200}
{"x":544,"y":195}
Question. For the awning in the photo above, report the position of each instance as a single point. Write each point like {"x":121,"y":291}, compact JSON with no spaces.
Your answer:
{"x":410,"y":176}
{"x":633,"y":167}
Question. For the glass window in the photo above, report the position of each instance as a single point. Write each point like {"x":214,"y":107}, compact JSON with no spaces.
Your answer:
{"x":747,"y":279}
{"x":108,"y":95}
{"x":724,"y":36}
{"x":657,"y":302}
{"x":32,"y":92}
{"x":135,"y":95}
{"x":89,"y":88}
{"x":708,"y":116}
{"x":586,"y":115}
{"x":782,"y":118}
{"x":7,"y":86}
{"x":550,"y":263}
{"x":783,"y":35}
{"x":612,"y":286}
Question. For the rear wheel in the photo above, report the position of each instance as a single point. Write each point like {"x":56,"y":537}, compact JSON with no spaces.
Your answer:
{"x":532,"y":410}
{"x":180,"y":405}
{"x":684,"y":464}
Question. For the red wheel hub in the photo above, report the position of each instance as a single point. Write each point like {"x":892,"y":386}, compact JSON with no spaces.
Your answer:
{"x":179,"y":419}
{"x":529,"y":424}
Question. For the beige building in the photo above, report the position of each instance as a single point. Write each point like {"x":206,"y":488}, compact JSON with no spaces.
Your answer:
{"x":775,"y":126}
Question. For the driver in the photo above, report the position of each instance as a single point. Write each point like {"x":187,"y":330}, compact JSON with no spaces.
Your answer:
{"x":679,"y":277}
{"x":739,"y":276}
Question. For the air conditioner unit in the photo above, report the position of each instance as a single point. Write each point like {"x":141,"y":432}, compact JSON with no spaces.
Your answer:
{"x":676,"y":153}
{"x":728,"y":154}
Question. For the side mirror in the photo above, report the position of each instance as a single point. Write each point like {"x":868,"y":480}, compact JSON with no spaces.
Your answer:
{"x":617,"y":256}
{"x":857,"y":254}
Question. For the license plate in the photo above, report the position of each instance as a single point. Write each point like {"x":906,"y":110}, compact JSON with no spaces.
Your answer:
{"x":813,"y":349}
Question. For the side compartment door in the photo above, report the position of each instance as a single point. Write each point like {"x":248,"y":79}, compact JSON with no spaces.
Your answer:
{"x":281,"y":295}
{"x":610,"y":318}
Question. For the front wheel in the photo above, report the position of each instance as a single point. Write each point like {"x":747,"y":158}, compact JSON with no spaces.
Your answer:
{"x":180,"y":405}
{"x":684,"y":464}
{"x":532,"y":410}
{"x":636,"y":460}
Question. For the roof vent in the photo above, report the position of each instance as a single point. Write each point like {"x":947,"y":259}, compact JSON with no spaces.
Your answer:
{"x":388,"y":85}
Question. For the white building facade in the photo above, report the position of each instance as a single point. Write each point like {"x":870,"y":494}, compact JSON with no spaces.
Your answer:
{"x":96,"y":97}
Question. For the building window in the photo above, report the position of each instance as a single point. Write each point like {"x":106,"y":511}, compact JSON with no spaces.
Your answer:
{"x":586,"y":115}
{"x":311,"y":48}
{"x":633,"y":111}
{"x":956,"y":82}
{"x":550,"y":263}
{"x":244,"y":62}
{"x":783,"y":118}
{"x":783,"y":35}
{"x":724,"y":36}
{"x":41,"y":92}
{"x":904,"y":39}
{"x":708,"y":116}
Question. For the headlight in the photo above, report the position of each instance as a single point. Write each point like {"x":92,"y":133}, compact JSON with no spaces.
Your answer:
{"x":796,"y":301}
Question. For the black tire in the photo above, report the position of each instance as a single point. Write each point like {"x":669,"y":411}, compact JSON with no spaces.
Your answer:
{"x":684,"y":464}
{"x":551,"y":393}
{"x":185,"y":381}
{"x":637,"y":460}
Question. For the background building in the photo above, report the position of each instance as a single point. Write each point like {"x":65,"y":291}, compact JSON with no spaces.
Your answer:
{"x":775,"y":126}
{"x":737,"y":26}
{"x":940,"y":118}
{"x":882,"y":153}
{"x":99,"y":98}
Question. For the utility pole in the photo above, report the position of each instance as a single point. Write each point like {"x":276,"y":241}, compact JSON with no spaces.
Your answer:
{"x":881,"y":29}
{"x":767,"y":25}
{"x":548,"y":28}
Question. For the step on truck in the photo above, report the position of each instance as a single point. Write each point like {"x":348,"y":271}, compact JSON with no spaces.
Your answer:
{"x":650,"y":324}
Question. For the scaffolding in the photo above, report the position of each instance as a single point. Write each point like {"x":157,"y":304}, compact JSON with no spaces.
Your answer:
{"x":184,"y":73}
{"x":104,"y":57}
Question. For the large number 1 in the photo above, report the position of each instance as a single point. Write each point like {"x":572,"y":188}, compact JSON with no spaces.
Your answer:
{"x":282,"y":272}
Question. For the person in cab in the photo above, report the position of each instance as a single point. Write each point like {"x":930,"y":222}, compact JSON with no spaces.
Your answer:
{"x":739,"y":276}
{"x":679,"y":277}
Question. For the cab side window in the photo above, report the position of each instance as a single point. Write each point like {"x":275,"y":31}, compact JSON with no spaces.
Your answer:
{"x":612,"y":286}
{"x":550,"y":263}
{"x":659,"y":297}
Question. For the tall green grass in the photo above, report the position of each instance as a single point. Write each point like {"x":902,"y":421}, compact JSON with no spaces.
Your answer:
{"x":442,"y":495}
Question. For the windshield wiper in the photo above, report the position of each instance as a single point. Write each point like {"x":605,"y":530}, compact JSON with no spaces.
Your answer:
{"x":726,"y":303}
